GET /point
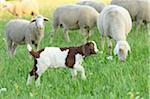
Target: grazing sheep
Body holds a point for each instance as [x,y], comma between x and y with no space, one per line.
[20,31]
[98,6]
[138,9]
[54,57]
[2,2]
[73,17]
[115,22]
[22,7]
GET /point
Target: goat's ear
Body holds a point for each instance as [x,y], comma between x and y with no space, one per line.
[46,19]
[33,20]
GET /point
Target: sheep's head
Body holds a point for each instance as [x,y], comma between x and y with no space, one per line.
[121,49]
[39,21]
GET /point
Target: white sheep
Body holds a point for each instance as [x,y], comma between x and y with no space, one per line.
[138,9]
[97,5]
[73,17]
[20,31]
[115,22]
[22,7]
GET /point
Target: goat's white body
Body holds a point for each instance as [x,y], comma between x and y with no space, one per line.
[53,57]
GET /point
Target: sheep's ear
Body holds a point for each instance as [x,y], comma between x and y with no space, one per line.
[129,49]
[116,50]
[46,19]
[33,20]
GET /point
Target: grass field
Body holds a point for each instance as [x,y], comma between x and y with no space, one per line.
[105,79]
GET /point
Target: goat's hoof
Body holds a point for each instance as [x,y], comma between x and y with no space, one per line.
[101,52]
[83,78]
[74,78]
[110,58]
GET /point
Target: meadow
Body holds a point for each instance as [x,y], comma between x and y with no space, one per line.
[105,79]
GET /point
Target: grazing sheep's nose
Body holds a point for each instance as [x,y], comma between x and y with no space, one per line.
[122,59]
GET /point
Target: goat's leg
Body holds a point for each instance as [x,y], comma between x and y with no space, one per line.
[40,70]
[81,69]
[74,73]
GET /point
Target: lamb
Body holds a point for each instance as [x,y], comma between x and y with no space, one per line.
[20,31]
[22,7]
[73,17]
[114,22]
[138,9]
[54,57]
[98,6]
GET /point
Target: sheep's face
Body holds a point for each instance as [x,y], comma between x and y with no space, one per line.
[122,48]
[39,21]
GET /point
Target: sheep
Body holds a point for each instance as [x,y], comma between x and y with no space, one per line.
[73,17]
[20,31]
[2,2]
[98,6]
[138,9]
[114,22]
[55,57]
[23,7]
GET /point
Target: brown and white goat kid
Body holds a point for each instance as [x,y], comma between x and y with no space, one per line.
[54,57]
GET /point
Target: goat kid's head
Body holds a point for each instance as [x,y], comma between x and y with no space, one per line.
[90,48]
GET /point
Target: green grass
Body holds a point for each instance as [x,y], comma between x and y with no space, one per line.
[105,79]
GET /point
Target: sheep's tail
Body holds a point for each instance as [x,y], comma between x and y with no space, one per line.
[32,52]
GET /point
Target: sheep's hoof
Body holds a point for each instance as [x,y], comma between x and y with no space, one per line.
[51,41]
[110,58]
[74,77]
[68,40]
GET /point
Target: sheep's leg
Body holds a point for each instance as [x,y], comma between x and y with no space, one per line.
[74,73]
[102,38]
[80,69]
[138,24]
[37,45]
[66,36]
[87,37]
[110,47]
[110,57]
[54,29]
[13,48]
[86,34]
[9,46]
